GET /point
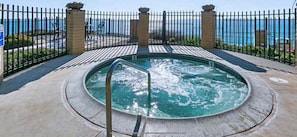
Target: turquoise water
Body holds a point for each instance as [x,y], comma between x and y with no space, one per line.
[180,88]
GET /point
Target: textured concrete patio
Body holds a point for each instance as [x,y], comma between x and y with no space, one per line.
[33,101]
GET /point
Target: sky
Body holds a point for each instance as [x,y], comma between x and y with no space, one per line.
[161,5]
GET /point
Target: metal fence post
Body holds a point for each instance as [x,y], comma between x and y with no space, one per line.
[164,28]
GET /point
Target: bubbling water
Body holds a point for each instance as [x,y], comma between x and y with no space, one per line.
[180,88]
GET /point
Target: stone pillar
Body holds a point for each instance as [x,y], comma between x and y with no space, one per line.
[208,40]
[75,19]
[260,38]
[143,27]
[133,29]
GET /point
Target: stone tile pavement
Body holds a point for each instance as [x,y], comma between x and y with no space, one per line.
[33,104]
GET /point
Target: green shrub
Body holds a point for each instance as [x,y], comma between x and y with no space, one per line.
[16,41]
[156,35]
[259,51]
[191,41]
[219,43]
[171,36]
[289,58]
[270,52]
[27,56]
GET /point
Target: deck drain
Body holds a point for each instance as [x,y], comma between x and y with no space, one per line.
[278,80]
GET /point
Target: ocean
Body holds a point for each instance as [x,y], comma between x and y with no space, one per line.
[237,32]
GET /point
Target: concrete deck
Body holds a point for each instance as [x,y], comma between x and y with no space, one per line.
[33,102]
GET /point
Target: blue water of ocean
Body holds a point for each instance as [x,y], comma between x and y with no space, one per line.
[237,32]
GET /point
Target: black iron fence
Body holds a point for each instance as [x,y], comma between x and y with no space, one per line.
[175,28]
[107,29]
[32,36]
[267,34]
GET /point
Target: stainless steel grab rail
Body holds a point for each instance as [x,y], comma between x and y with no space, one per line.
[113,65]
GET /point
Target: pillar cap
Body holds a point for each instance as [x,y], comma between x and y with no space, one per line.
[143,9]
[74,5]
[208,8]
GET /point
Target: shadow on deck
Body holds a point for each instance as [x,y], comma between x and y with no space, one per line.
[237,61]
[19,80]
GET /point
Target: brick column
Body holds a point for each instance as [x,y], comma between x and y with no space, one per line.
[75,31]
[143,27]
[208,40]
[133,29]
[260,38]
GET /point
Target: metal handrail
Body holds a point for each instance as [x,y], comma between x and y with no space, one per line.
[113,65]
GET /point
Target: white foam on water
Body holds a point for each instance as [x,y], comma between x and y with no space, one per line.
[164,78]
[189,101]
[230,76]
[198,86]
[218,99]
